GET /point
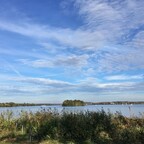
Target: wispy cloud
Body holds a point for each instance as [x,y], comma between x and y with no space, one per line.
[121,25]
[90,85]
[44,81]
[116,24]
[10,67]
[109,40]
[112,16]
[58,61]
[83,39]
[124,60]
[124,77]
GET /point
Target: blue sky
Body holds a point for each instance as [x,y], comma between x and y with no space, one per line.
[52,50]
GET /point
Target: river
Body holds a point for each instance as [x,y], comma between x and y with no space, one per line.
[126,110]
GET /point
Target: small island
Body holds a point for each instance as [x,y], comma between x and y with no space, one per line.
[73,103]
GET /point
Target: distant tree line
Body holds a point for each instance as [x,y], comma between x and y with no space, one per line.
[73,103]
[12,104]
[117,103]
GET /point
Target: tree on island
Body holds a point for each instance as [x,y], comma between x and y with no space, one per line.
[73,103]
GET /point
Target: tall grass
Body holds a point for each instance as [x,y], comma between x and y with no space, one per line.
[80,128]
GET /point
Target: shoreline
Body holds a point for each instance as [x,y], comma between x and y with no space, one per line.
[12,104]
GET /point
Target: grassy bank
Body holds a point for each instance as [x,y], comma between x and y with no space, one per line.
[48,126]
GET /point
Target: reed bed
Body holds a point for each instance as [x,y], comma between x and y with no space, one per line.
[67,127]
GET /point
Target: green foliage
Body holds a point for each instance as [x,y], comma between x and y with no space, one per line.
[82,127]
[73,103]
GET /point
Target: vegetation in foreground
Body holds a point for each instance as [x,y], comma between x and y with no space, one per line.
[51,127]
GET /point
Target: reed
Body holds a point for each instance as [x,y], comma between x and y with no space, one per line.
[81,127]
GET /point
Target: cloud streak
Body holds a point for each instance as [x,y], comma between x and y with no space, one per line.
[124,77]
[89,85]
[59,61]
[83,39]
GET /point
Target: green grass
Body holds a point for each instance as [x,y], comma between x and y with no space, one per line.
[50,127]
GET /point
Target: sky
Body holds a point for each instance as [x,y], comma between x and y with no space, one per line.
[53,50]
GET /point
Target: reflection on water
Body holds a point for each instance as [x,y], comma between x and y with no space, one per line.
[126,110]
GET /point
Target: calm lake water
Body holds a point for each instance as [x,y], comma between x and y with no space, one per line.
[126,110]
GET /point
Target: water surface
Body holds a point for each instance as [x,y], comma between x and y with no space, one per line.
[126,110]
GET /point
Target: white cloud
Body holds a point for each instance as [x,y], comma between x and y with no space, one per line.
[112,15]
[121,61]
[121,25]
[124,77]
[93,83]
[137,42]
[44,87]
[79,38]
[44,81]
